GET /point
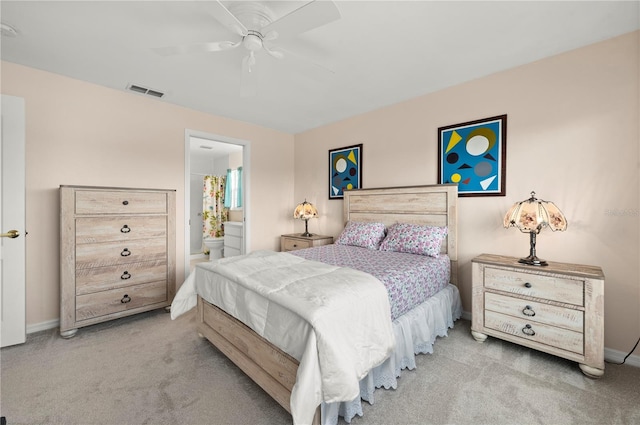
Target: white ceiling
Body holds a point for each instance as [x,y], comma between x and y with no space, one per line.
[381,52]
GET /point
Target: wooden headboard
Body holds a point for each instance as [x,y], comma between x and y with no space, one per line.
[432,205]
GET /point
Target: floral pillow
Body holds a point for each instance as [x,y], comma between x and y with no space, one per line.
[362,234]
[414,239]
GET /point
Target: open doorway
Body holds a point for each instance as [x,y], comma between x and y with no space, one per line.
[212,155]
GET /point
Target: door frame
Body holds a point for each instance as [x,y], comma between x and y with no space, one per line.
[246,189]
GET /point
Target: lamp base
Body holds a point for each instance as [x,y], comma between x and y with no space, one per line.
[306,234]
[532,260]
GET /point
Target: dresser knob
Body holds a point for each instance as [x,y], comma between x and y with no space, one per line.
[125,202]
[125,252]
[527,285]
[528,311]
[126,275]
[125,229]
[125,299]
[528,331]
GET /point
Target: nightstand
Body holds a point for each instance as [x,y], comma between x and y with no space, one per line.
[297,241]
[557,309]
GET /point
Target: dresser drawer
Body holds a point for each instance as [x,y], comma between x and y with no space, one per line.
[118,253]
[232,242]
[535,312]
[553,288]
[95,229]
[233,229]
[539,333]
[293,244]
[120,202]
[231,252]
[117,300]
[104,278]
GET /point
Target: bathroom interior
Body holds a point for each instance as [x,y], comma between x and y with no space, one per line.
[214,165]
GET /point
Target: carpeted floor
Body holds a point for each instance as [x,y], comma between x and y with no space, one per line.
[148,369]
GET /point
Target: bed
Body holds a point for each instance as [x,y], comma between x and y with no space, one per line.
[281,364]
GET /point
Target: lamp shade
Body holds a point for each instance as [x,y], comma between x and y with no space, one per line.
[531,216]
[305,211]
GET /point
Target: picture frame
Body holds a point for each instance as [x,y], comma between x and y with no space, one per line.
[473,155]
[345,170]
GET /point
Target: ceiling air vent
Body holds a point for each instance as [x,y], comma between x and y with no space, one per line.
[144,90]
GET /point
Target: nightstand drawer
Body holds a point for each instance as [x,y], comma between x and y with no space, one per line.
[535,312]
[535,332]
[553,288]
[293,244]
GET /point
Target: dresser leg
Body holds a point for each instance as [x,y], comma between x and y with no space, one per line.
[478,336]
[69,333]
[591,372]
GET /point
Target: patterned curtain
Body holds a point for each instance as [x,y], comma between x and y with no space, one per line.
[213,213]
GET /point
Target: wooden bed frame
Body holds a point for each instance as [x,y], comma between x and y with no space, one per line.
[271,368]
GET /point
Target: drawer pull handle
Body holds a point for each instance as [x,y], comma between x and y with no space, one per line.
[527,285]
[125,229]
[125,299]
[125,252]
[528,311]
[125,202]
[126,275]
[528,331]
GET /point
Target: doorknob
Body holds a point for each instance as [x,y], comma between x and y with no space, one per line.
[10,234]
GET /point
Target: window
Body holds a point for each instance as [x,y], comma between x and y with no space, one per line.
[233,190]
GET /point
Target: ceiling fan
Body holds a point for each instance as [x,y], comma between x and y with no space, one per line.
[255,28]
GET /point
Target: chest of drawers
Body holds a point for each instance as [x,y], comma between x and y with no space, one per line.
[296,241]
[117,253]
[233,238]
[558,309]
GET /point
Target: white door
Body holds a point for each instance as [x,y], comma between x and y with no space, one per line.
[12,221]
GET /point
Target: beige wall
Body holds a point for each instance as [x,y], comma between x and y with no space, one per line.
[83,134]
[572,136]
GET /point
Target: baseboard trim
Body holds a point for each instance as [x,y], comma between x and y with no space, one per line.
[43,326]
[615,356]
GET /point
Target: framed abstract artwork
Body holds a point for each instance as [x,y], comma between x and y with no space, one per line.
[473,155]
[345,170]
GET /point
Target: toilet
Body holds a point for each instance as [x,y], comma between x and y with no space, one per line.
[215,246]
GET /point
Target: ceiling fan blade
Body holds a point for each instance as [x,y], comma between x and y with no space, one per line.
[214,46]
[275,52]
[270,36]
[309,67]
[249,77]
[312,15]
[226,18]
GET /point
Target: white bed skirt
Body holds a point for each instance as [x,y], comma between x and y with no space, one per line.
[415,333]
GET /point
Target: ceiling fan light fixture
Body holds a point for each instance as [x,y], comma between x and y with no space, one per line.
[252,41]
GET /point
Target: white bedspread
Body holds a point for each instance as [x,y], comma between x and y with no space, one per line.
[348,312]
